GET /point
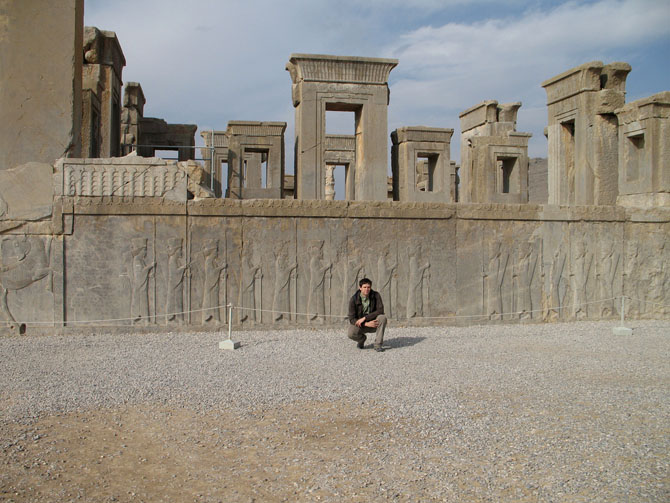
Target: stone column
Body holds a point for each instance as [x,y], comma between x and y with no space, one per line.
[330,183]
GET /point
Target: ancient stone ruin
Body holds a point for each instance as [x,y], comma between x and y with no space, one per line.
[98,231]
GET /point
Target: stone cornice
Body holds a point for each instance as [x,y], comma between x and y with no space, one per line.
[344,69]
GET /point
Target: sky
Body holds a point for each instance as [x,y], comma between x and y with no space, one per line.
[207,62]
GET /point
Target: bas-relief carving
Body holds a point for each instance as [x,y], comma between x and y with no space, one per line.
[350,270]
[120,180]
[139,272]
[385,280]
[557,284]
[419,284]
[284,299]
[251,286]
[176,270]
[632,284]
[647,276]
[494,276]
[212,270]
[523,278]
[655,276]
[582,261]
[25,260]
[606,269]
[319,271]
[4,208]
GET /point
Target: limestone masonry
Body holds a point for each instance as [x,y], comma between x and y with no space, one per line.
[97,230]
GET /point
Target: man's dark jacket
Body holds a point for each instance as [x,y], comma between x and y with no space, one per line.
[356,307]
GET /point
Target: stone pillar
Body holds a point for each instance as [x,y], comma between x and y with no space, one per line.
[40,85]
[582,133]
[214,159]
[133,110]
[330,183]
[422,169]
[644,152]
[494,156]
[103,67]
[340,83]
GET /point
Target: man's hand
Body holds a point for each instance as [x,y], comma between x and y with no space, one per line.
[360,322]
[372,324]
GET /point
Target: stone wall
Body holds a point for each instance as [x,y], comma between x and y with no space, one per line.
[141,260]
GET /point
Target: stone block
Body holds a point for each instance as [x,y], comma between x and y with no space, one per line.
[40,86]
[26,192]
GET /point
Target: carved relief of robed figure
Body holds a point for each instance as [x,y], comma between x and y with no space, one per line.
[210,293]
[284,273]
[139,278]
[174,306]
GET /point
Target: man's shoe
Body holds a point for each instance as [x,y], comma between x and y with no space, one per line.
[361,344]
[379,349]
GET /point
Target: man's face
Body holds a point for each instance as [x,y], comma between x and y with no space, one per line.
[365,289]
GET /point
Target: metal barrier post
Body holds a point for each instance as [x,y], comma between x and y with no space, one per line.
[228,343]
[622,330]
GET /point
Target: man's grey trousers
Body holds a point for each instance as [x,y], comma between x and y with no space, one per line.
[358,333]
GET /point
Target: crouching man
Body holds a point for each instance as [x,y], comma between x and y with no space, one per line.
[366,315]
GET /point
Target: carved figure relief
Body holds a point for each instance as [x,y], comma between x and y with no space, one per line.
[251,286]
[210,292]
[4,208]
[385,273]
[285,279]
[525,270]
[632,280]
[655,276]
[494,276]
[557,285]
[418,274]
[351,271]
[318,269]
[25,260]
[608,262]
[139,278]
[581,269]
[176,269]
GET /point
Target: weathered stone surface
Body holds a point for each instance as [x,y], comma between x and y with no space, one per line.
[297,262]
[422,169]
[131,176]
[145,135]
[538,192]
[101,83]
[494,156]
[644,152]
[582,133]
[360,85]
[197,180]
[144,242]
[40,83]
[26,192]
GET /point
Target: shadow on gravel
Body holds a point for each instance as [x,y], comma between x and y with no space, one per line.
[402,342]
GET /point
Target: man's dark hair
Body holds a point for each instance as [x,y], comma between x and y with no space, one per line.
[365,281]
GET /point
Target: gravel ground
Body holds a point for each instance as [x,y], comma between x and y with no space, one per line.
[551,412]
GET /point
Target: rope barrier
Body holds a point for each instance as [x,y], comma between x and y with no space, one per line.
[648,302]
[342,317]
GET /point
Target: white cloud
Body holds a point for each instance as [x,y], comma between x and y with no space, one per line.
[451,67]
[208,61]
